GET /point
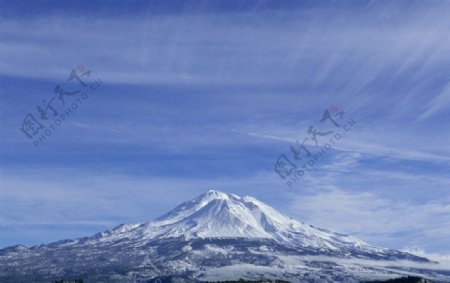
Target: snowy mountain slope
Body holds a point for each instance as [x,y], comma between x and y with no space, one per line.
[219,215]
[206,238]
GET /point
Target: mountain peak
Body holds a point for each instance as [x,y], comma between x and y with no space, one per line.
[215,194]
[212,195]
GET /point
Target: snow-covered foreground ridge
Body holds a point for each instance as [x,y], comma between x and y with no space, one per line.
[216,236]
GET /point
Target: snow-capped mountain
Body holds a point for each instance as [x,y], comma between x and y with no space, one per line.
[219,215]
[216,236]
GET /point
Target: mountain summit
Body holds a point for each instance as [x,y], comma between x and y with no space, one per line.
[216,236]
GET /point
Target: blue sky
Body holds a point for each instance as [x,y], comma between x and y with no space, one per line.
[207,94]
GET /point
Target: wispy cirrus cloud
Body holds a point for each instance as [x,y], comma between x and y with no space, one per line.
[438,103]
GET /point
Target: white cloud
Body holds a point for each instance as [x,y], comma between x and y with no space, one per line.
[443,259]
[374,218]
